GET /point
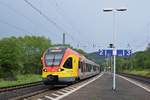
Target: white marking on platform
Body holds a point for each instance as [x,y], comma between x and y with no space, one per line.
[72,87]
[64,90]
[60,92]
[135,83]
[55,94]
[48,97]
[68,89]
[77,88]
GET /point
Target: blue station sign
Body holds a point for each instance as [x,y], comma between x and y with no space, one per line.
[103,52]
[119,52]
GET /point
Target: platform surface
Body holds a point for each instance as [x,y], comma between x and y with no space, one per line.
[101,89]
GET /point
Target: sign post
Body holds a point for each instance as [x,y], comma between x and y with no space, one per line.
[113,52]
[114,72]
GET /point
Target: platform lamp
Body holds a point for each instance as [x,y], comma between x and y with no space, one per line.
[114,10]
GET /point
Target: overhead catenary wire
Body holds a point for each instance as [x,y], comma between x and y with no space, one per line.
[59,10]
[17,12]
[44,16]
[14,26]
[49,19]
[76,30]
[88,43]
[20,14]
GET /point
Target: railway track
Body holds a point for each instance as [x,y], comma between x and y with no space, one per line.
[142,79]
[20,91]
[10,88]
[30,90]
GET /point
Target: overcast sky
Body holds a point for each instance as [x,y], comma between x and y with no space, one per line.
[83,20]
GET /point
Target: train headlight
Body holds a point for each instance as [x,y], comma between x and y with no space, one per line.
[44,70]
[59,69]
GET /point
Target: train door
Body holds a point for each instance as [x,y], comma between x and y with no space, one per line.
[80,70]
[68,66]
[75,65]
[84,70]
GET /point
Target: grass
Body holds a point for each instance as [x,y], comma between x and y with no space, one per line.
[139,72]
[21,79]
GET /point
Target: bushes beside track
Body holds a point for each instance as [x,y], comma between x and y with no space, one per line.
[21,79]
[138,63]
[21,55]
[138,72]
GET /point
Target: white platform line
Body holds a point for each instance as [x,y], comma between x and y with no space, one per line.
[135,83]
[48,97]
[64,90]
[68,89]
[72,88]
[60,92]
[77,88]
[55,94]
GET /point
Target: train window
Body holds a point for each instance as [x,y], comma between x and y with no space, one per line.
[82,67]
[68,63]
[52,59]
[88,67]
[79,64]
[94,68]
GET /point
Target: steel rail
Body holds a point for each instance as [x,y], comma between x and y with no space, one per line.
[142,79]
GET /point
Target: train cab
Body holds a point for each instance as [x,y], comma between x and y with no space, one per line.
[59,65]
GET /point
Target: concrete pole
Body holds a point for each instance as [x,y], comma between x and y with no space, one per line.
[114,69]
[114,51]
[63,39]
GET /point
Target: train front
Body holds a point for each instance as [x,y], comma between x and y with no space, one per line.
[58,66]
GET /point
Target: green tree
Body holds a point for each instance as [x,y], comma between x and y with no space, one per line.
[9,57]
[33,48]
[21,55]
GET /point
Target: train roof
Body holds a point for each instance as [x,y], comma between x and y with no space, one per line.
[82,57]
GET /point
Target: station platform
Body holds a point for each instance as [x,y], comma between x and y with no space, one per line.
[101,89]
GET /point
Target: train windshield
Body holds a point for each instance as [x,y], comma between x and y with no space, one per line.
[53,57]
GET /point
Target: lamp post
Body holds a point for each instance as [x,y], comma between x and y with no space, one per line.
[114,33]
